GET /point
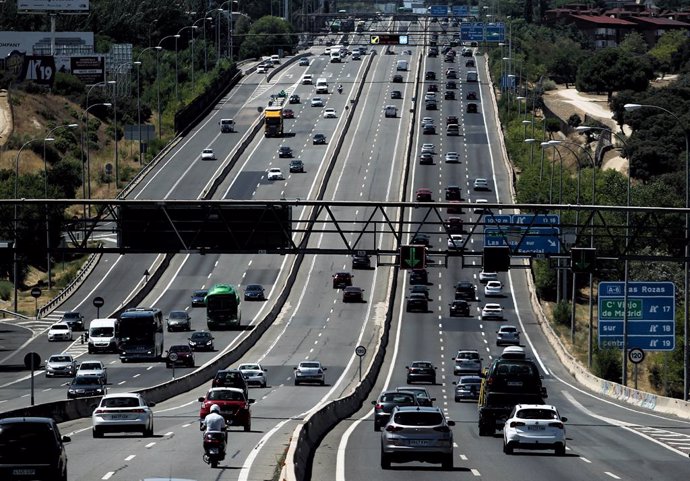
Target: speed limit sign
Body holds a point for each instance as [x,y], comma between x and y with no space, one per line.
[360,351]
[636,355]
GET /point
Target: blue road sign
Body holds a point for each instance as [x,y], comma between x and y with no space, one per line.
[438,10]
[524,240]
[472,32]
[460,10]
[495,32]
[523,219]
[651,315]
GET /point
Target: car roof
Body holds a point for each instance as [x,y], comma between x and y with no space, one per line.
[492,305]
[123,394]
[234,389]
[536,406]
[27,419]
[425,409]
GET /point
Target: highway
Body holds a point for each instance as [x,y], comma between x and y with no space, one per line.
[603,437]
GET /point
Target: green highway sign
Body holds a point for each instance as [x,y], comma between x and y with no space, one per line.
[612,309]
[412,257]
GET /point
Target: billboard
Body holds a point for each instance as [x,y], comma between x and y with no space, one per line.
[38,69]
[89,70]
[53,5]
[39,42]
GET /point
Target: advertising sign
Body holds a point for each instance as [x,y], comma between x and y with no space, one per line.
[89,70]
[53,5]
[39,69]
[35,42]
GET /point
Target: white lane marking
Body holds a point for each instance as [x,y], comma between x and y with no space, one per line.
[108,475]
[611,474]
[130,457]
[475,472]
[150,445]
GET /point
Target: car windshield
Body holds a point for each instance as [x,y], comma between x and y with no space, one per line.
[60,327]
[418,418]
[225,395]
[120,402]
[468,355]
[24,443]
[254,287]
[310,365]
[251,367]
[198,336]
[200,293]
[85,380]
[181,348]
[398,398]
[516,370]
[508,329]
[71,315]
[423,365]
[178,315]
[89,366]
[536,414]
[60,359]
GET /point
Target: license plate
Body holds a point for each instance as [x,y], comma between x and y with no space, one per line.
[515,383]
[24,472]
[213,450]
[536,428]
[119,416]
[419,442]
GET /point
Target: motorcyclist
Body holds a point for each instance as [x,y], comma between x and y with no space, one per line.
[214,421]
[340,88]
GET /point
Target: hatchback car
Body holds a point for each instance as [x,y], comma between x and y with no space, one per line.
[95,369]
[353,294]
[178,321]
[122,412]
[417,302]
[507,335]
[288,114]
[397,79]
[32,448]
[430,75]
[486,276]
[233,403]
[421,371]
[417,434]
[316,102]
[534,426]
[421,393]
[85,386]
[253,374]
[471,108]
[319,139]
[467,361]
[424,195]
[492,311]
[254,292]
[207,154]
[469,63]
[449,95]
[296,166]
[310,371]
[342,280]
[284,151]
[387,400]
[201,341]
[329,113]
[74,320]
[430,105]
[396,94]
[451,85]
[455,242]
[459,308]
[419,277]
[479,207]
[481,184]
[230,378]
[493,289]
[180,355]
[465,290]
[294,99]
[304,62]
[60,332]
[420,239]
[199,298]
[361,261]
[451,73]
[60,365]
[432,88]
[275,174]
[467,387]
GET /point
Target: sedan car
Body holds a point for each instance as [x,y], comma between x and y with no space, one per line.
[316,102]
[485,276]
[452,157]
[253,374]
[471,95]
[467,361]
[361,261]
[342,280]
[430,75]
[507,335]
[481,184]
[388,400]
[420,239]
[288,114]
[180,355]
[254,292]
[304,62]
[310,371]
[329,113]
[275,174]
[493,289]
[467,387]
[201,341]
[453,192]
[296,166]
[451,85]
[284,151]
[319,139]
[417,434]
[60,365]
[459,308]
[471,108]
[469,63]
[432,88]
[396,94]
[428,129]
[397,79]
[353,294]
[122,412]
[74,320]
[94,369]
[424,195]
[85,386]
[419,277]
[479,206]
[233,403]
[199,297]
[417,302]
[455,242]
[426,158]
[60,332]
[423,396]
[294,99]
[421,371]
[492,311]
[207,154]
[178,321]
[534,426]
[449,95]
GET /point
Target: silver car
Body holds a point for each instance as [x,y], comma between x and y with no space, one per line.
[61,365]
[123,412]
[179,321]
[253,374]
[417,433]
[507,335]
[467,387]
[467,362]
[310,371]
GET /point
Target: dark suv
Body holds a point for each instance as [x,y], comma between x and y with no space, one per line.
[342,280]
[465,291]
[231,378]
[32,448]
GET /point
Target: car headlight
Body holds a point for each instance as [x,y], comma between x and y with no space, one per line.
[208,343]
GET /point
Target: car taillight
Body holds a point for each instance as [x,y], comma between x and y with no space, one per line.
[556,425]
[442,429]
[99,411]
[515,424]
[490,380]
[393,429]
[137,411]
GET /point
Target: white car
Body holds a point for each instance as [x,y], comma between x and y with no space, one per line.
[452,157]
[317,102]
[480,209]
[253,374]
[492,311]
[122,412]
[310,371]
[427,120]
[481,184]
[207,154]
[487,276]
[329,113]
[93,368]
[60,365]
[493,289]
[428,149]
[275,174]
[429,96]
[60,332]
[455,242]
[534,426]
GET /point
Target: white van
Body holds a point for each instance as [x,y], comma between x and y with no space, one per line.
[472,76]
[307,79]
[335,56]
[227,125]
[275,59]
[321,86]
[102,336]
[401,65]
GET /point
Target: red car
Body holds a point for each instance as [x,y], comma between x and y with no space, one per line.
[234,406]
[288,114]
[180,355]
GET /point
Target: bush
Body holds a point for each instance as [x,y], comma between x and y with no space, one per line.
[607,364]
[544,279]
[6,289]
[561,313]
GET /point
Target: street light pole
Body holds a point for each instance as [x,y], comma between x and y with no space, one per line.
[686,286]
[138,64]
[85,136]
[159,48]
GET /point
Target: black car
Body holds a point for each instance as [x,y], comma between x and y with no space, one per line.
[34,446]
[459,308]
[231,378]
[421,371]
[396,94]
[254,292]
[319,139]
[429,129]
[432,88]
[353,294]
[198,298]
[397,79]
[296,166]
[361,261]
[426,158]
[201,341]
[178,320]
[419,277]
[417,302]
[284,151]
[433,52]
[471,95]
[471,108]
[453,192]
[420,239]
[449,95]
[465,290]
[420,289]
[430,75]
[451,84]
[74,320]
[449,58]
[342,280]
[294,99]
[388,400]
[85,386]
[469,63]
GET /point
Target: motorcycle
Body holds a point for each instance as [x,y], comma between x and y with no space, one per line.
[214,447]
[340,89]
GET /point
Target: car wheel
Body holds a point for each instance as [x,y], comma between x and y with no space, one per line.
[168,365]
[169,330]
[447,462]
[385,461]
[296,383]
[148,432]
[263,384]
[248,427]
[322,383]
[508,449]
[96,433]
[560,450]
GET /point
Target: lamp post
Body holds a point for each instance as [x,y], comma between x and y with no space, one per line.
[531,143]
[686,283]
[86,130]
[48,138]
[219,10]
[15,259]
[159,48]
[206,46]
[177,36]
[525,123]
[86,173]
[138,64]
